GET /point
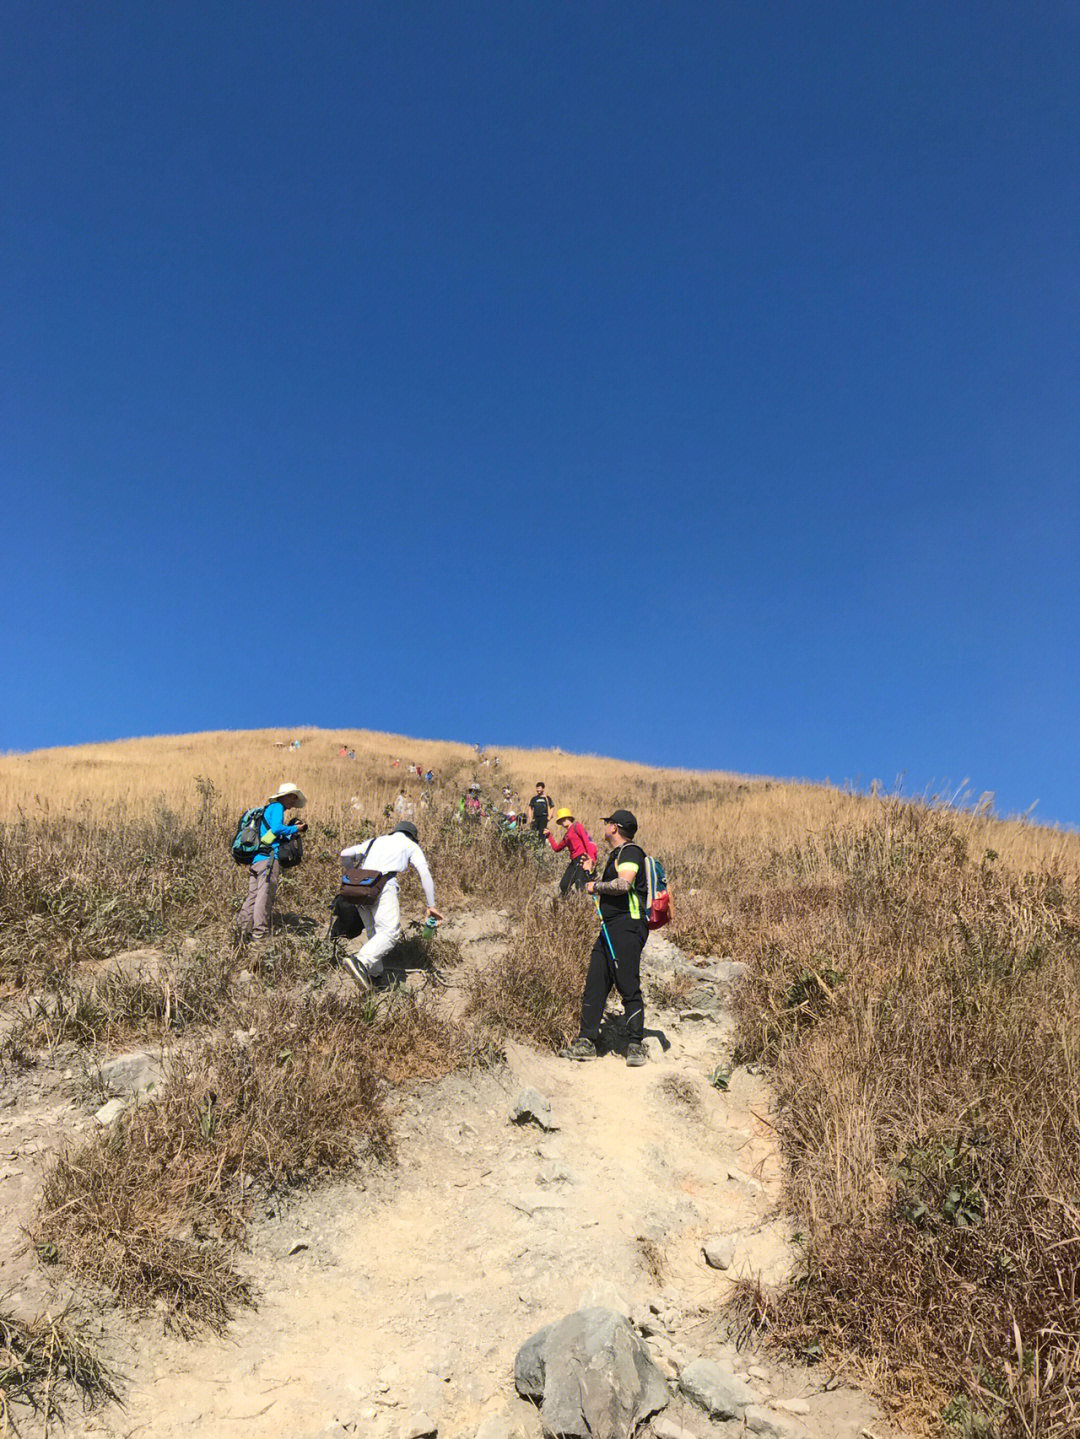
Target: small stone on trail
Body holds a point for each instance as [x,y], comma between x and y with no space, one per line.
[791,1406]
[726,970]
[719,1251]
[665,1428]
[722,1394]
[108,1112]
[747,1180]
[419,1426]
[770,1426]
[297,1248]
[532,1107]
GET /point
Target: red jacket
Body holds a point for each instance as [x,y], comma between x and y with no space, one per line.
[577,837]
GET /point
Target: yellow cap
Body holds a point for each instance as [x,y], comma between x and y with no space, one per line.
[563,814]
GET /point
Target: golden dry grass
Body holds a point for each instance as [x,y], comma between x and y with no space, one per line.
[915,987]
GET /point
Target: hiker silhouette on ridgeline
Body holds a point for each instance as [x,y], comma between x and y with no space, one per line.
[369,884]
[577,839]
[540,807]
[615,961]
[265,871]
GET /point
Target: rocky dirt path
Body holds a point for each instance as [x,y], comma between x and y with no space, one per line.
[396,1306]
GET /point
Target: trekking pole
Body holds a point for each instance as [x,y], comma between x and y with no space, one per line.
[603,930]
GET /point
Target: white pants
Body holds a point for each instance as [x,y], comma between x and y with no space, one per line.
[383,928]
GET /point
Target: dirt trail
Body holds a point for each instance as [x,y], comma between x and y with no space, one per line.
[411,1292]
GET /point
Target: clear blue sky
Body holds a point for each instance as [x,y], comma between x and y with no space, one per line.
[696,383]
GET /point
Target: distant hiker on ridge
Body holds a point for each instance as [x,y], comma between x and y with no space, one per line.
[539,809]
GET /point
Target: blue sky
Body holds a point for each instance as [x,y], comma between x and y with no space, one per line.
[690,382]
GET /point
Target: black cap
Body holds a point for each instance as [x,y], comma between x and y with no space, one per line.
[407,827]
[624,819]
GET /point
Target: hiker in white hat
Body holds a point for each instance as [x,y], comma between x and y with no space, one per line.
[265,871]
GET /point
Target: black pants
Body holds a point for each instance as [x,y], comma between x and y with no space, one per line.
[575,877]
[615,960]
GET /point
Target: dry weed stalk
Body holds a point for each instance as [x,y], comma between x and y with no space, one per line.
[41,1363]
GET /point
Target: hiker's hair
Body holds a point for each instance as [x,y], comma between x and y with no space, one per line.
[540,784]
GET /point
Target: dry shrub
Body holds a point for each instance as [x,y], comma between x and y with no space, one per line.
[671,991]
[41,1363]
[534,993]
[152,1207]
[699,922]
[924,1029]
[482,862]
[83,887]
[116,1005]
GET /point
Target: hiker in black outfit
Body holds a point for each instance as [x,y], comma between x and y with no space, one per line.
[616,955]
[540,808]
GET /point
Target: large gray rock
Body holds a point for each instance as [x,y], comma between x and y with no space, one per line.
[720,1393]
[591,1375]
[133,1073]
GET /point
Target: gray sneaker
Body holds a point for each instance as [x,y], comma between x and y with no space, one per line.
[358,972]
[635,1055]
[580,1049]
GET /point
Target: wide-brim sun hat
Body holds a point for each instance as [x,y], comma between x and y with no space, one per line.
[562,814]
[407,827]
[284,791]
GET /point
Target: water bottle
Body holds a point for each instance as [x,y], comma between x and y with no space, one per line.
[431,924]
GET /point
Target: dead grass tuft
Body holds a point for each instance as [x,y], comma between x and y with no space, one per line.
[153,1207]
[44,1362]
[652,1257]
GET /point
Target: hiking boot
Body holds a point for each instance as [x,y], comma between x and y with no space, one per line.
[358,972]
[635,1055]
[581,1048]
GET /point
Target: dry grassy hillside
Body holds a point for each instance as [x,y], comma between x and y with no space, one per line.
[914,988]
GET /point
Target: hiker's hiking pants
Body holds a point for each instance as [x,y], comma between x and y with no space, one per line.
[576,876]
[617,964]
[382,925]
[263,877]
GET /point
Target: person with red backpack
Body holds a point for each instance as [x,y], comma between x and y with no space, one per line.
[622,901]
[582,851]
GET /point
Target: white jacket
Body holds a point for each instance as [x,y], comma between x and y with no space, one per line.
[391,853]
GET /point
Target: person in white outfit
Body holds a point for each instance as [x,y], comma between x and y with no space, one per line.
[391,854]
